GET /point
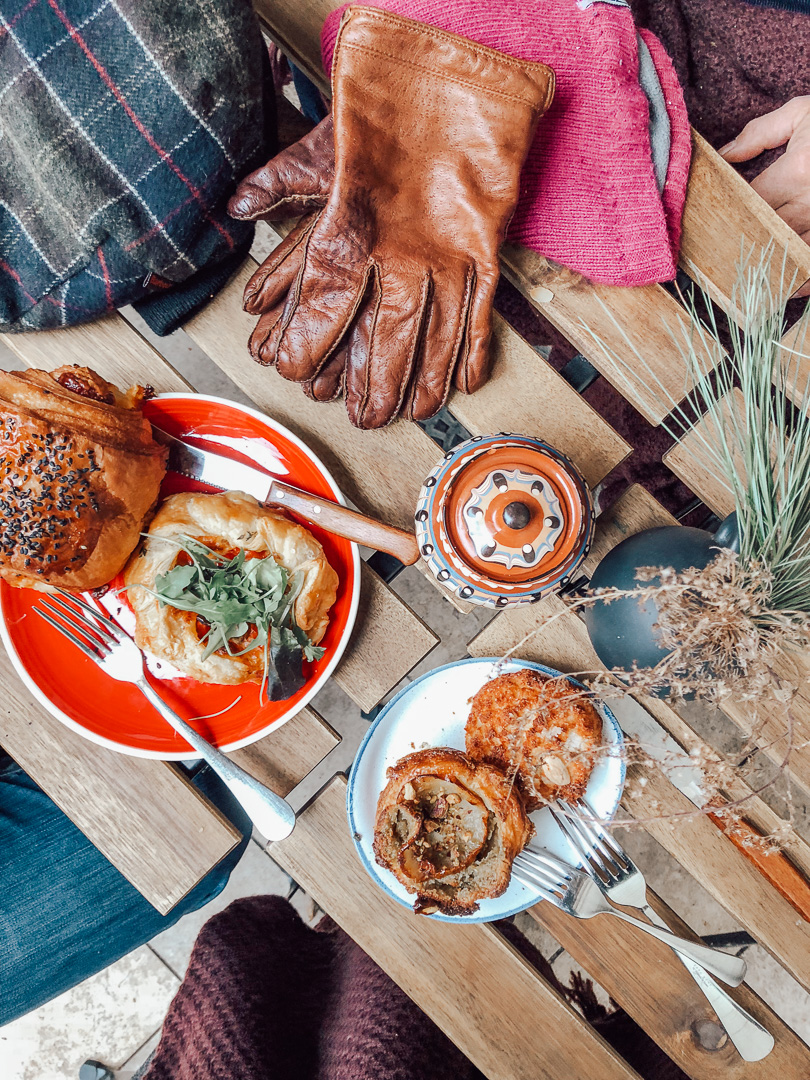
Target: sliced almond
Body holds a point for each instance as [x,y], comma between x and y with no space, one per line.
[408,792]
[554,771]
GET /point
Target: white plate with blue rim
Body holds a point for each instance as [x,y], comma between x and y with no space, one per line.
[433,711]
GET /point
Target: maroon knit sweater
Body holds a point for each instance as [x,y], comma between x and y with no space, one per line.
[267,998]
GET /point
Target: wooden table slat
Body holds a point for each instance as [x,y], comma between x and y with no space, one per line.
[652,985]
[691,460]
[109,345]
[696,842]
[525,394]
[778,730]
[641,319]
[468,979]
[711,250]
[389,639]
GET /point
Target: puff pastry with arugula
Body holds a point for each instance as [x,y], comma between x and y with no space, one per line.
[230,591]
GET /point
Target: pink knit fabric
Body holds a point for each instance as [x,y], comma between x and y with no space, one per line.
[589,199]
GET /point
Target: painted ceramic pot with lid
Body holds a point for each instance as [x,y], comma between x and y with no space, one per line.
[504,519]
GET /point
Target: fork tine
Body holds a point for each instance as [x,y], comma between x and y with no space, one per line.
[77,624]
[76,619]
[550,867]
[600,850]
[580,844]
[529,874]
[594,823]
[105,621]
[77,641]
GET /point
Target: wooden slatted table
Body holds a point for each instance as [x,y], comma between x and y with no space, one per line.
[164,836]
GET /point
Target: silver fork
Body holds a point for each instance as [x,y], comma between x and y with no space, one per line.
[117,654]
[622,882]
[576,893]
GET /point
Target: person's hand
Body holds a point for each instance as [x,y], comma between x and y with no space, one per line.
[785,185]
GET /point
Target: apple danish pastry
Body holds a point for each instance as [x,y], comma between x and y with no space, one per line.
[449,830]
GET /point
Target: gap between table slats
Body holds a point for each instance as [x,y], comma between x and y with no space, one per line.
[468,979]
[776,731]
[695,842]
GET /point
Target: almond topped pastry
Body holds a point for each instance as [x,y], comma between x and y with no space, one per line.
[543,730]
[80,474]
[449,830]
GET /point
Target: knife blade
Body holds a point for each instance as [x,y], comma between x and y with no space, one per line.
[679,768]
[231,475]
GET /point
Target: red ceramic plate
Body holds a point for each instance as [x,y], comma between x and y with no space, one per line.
[116,714]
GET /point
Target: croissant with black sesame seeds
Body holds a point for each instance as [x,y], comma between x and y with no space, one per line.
[80,473]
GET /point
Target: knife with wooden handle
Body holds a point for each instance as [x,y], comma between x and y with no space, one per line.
[231,475]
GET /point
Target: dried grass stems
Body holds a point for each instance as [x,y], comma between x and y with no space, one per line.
[730,625]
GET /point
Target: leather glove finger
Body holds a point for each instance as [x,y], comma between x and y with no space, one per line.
[271,283]
[293,182]
[382,347]
[321,305]
[475,360]
[328,383]
[443,343]
[263,340]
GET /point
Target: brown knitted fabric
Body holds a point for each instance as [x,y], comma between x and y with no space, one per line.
[734,61]
[267,998]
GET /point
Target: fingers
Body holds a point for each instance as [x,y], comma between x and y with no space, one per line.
[767,131]
[271,282]
[295,181]
[476,356]
[781,183]
[321,305]
[382,346]
[443,342]
[328,383]
[264,339]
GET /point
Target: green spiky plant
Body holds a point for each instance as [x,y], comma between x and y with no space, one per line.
[747,412]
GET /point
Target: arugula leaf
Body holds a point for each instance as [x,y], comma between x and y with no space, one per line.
[231,595]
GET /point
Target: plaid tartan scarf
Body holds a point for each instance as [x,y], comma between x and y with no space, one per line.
[124,126]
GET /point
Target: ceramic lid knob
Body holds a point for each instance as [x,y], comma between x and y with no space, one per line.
[503,519]
[516,515]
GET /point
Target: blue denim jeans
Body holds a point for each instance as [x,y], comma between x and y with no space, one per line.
[65,911]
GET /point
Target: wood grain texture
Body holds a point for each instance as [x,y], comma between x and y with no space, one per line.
[388,640]
[693,840]
[379,471]
[283,758]
[690,460]
[525,394]
[780,731]
[647,979]
[468,979]
[632,322]
[144,816]
[109,345]
[796,360]
[721,211]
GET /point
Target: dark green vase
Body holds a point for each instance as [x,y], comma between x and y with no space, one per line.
[623,632]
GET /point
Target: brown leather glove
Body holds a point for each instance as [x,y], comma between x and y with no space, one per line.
[431,131]
[296,181]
